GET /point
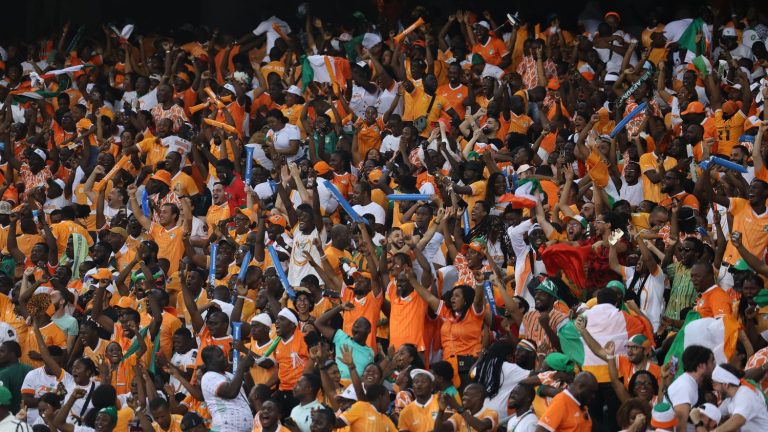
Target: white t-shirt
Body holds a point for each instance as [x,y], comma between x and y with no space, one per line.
[40,383]
[631,193]
[298,267]
[684,390]
[372,208]
[651,294]
[302,414]
[511,375]
[361,99]
[525,423]
[390,143]
[492,71]
[228,414]
[183,362]
[385,99]
[281,140]
[750,405]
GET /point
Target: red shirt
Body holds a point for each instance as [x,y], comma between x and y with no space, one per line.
[235,193]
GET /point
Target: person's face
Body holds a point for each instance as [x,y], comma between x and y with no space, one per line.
[371,375]
[701,278]
[458,302]
[172,162]
[632,174]
[669,183]
[422,386]
[537,238]
[37,254]
[688,253]
[370,114]
[166,216]
[499,186]
[396,238]
[643,387]
[320,423]
[574,229]
[302,388]
[635,352]
[285,327]
[542,301]
[480,32]
[517,397]
[601,226]
[103,423]
[738,156]
[756,193]
[217,325]
[5,355]
[430,83]
[403,358]
[269,414]
[224,173]
[749,289]
[162,416]
[305,221]
[474,258]
[303,303]
[114,353]
[362,285]
[423,217]
[454,74]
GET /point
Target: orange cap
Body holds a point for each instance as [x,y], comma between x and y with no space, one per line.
[375,175]
[694,107]
[102,273]
[127,302]
[278,220]
[84,123]
[162,176]
[250,214]
[322,168]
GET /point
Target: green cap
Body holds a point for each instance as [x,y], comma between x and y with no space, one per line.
[548,287]
[762,298]
[618,285]
[5,396]
[740,265]
[110,411]
[559,362]
[476,59]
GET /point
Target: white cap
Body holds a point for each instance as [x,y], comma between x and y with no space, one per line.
[416,372]
[349,393]
[748,38]
[230,88]
[370,40]
[40,153]
[287,314]
[59,182]
[729,31]
[156,77]
[523,168]
[294,90]
[262,318]
[711,411]
[483,24]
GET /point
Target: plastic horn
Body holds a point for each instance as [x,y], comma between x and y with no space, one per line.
[249,148]
[244,266]
[419,22]
[195,108]
[488,288]
[689,150]
[723,163]
[466,221]
[271,348]
[218,124]
[640,108]
[236,337]
[280,272]
[344,203]
[213,97]
[145,203]
[212,265]
[514,19]
[409,197]
[122,163]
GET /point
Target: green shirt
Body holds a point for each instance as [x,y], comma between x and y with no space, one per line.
[362,355]
[12,377]
[683,294]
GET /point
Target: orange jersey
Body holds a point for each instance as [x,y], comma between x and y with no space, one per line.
[291,357]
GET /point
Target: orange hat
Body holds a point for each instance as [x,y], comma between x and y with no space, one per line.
[162,176]
[375,175]
[278,220]
[477,245]
[322,168]
[106,112]
[250,214]
[102,273]
[694,107]
[364,274]
[84,123]
[553,84]
[127,302]
[752,122]
[616,14]
[183,76]
[730,107]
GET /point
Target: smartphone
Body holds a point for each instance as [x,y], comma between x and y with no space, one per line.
[673,369]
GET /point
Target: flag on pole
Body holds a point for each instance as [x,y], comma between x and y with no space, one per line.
[325,69]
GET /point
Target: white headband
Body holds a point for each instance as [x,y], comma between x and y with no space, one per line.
[287,314]
[416,372]
[723,376]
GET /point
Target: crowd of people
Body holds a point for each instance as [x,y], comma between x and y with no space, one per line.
[427,222]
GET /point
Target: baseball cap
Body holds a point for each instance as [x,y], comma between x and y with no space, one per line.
[707,409]
[616,284]
[364,274]
[694,107]
[162,176]
[294,90]
[477,245]
[102,273]
[579,218]
[483,24]
[84,123]
[278,220]
[322,168]
[523,168]
[127,302]
[548,287]
[740,265]
[416,372]
[729,32]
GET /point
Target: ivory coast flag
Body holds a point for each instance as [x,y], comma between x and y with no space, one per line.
[605,323]
[325,69]
[718,334]
[526,194]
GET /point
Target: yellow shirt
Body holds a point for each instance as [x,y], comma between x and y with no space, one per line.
[175,425]
[651,191]
[419,418]
[363,417]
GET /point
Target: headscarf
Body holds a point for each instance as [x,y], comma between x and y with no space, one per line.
[79,254]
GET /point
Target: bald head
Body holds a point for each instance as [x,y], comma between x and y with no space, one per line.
[340,236]
[584,387]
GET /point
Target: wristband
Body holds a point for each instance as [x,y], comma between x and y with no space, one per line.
[610,357]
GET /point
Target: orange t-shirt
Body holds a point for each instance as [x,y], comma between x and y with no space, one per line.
[369,136]
[565,414]
[752,226]
[291,356]
[206,339]
[492,51]
[52,335]
[406,318]
[170,244]
[460,337]
[714,302]
[627,369]
[454,97]
[368,307]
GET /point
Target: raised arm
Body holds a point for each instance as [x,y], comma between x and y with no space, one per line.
[136,208]
[432,301]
